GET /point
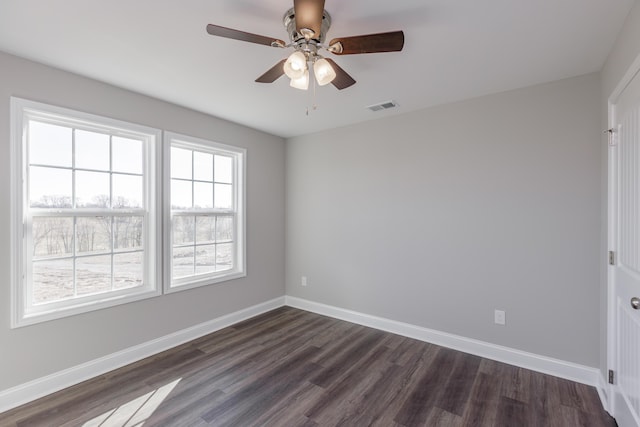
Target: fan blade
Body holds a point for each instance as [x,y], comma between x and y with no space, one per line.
[273,74]
[370,43]
[309,16]
[230,33]
[342,80]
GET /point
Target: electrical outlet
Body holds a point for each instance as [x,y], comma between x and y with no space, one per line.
[499,317]
[303,282]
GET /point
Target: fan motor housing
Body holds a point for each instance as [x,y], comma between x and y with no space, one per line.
[289,21]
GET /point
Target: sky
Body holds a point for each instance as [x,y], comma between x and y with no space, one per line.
[99,165]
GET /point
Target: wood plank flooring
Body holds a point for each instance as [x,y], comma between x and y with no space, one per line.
[289,367]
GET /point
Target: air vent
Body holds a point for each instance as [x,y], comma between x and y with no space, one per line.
[383,106]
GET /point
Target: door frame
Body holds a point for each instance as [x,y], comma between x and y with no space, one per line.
[612,186]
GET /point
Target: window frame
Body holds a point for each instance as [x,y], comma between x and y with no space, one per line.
[239,155]
[21,217]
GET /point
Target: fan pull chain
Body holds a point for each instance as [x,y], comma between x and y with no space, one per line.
[314,106]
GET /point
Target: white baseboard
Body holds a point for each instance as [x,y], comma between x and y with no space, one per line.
[40,387]
[559,368]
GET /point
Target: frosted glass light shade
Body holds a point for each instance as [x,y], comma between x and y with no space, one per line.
[323,71]
[301,83]
[295,65]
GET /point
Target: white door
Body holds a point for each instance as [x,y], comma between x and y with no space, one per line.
[624,240]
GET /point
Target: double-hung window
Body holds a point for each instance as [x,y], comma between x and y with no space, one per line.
[204,233]
[101,215]
[85,212]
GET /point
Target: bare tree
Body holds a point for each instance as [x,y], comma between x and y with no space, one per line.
[40,231]
[86,234]
[54,233]
[101,201]
[52,201]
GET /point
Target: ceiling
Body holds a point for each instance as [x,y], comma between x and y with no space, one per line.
[454,50]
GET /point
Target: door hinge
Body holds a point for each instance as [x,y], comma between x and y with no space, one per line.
[610,376]
[612,258]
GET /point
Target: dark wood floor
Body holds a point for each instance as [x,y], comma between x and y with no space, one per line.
[293,368]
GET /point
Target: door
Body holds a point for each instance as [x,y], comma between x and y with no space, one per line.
[624,240]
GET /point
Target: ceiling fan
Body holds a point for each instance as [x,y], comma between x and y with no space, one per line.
[307,24]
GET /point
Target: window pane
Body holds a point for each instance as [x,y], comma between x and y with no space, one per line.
[49,144]
[92,189]
[126,155]
[202,166]
[127,232]
[180,194]
[49,187]
[183,229]
[52,280]
[205,259]
[224,196]
[224,229]
[127,191]
[202,195]
[205,229]
[224,256]
[127,270]
[52,236]
[93,274]
[224,169]
[183,262]
[92,150]
[181,163]
[93,234]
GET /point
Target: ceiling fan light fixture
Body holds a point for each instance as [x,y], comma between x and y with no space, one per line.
[302,82]
[324,72]
[307,24]
[296,65]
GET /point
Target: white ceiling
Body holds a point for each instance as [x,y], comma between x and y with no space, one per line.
[454,49]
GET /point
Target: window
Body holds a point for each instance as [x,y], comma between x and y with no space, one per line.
[87,215]
[205,231]
[84,215]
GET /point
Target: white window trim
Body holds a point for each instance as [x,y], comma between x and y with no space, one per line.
[21,316]
[240,194]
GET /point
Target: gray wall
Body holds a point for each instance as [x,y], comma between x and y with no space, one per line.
[440,216]
[624,52]
[34,351]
